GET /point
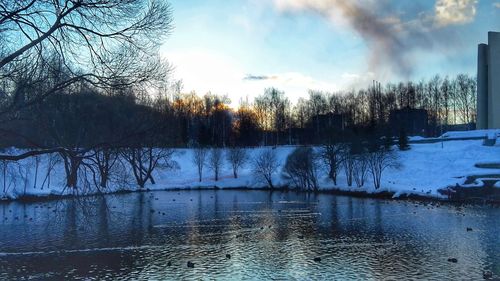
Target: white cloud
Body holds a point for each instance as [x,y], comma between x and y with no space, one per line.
[294,84]
[496,5]
[203,71]
[454,12]
[356,81]
[300,82]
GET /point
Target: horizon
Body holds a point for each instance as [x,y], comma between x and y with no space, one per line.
[330,46]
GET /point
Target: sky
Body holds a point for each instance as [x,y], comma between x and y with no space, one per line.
[239,48]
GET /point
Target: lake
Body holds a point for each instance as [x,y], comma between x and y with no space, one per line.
[249,235]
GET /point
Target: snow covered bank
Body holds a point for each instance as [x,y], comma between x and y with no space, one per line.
[424,169]
[472,134]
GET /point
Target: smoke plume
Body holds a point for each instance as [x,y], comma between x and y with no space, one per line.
[392,40]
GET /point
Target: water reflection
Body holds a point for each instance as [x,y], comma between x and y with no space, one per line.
[268,235]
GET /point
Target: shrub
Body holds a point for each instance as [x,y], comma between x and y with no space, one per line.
[301,168]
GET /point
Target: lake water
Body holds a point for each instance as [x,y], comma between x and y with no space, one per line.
[267,235]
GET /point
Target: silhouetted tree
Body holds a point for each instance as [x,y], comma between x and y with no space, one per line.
[144,160]
[301,168]
[265,165]
[378,162]
[360,170]
[49,47]
[246,128]
[331,153]
[199,159]
[215,161]
[237,157]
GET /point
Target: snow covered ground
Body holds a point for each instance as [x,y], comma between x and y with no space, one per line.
[471,134]
[424,169]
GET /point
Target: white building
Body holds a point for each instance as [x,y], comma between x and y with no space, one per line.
[488,83]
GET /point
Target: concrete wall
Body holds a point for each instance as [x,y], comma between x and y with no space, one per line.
[482,87]
[494,80]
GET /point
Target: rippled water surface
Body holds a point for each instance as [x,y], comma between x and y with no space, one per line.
[267,235]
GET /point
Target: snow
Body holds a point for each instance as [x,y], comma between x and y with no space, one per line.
[416,138]
[490,134]
[424,169]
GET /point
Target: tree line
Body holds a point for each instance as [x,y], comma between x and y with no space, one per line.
[271,119]
[84,115]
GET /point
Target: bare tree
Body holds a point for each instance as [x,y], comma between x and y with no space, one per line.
[199,159]
[348,164]
[360,170]
[36,164]
[6,170]
[302,168]
[144,160]
[466,97]
[104,159]
[331,154]
[48,47]
[271,108]
[378,162]
[72,160]
[52,160]
[317,104]
[265,164]
[446,91]
[237,157]
[12,175]
[215,162]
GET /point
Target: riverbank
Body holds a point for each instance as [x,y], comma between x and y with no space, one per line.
[427,170]
[464,195]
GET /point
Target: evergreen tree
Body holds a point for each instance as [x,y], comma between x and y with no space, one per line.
[388,141]
[403,140]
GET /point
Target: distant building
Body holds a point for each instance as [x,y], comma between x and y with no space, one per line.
[413,121]
[488,83]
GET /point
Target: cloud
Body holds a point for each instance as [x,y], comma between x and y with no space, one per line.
[391,40]
[453,12]
[355,80]
[203,71]
[294,82]
[258,77]
[496,5]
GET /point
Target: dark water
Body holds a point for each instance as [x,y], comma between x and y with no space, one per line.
[134,236]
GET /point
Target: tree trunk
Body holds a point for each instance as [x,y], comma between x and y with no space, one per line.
[72,166]
[104,179]
[270,183]
[151,179]
[333,175]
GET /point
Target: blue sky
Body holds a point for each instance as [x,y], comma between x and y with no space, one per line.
[241,47]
